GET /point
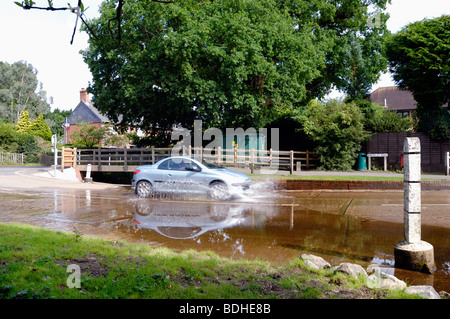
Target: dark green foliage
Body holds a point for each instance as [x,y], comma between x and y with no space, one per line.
[20,90]
[419,60]
[19,142]
[56,120]
[338,130]
[39,128]
[229,63]
[378,120]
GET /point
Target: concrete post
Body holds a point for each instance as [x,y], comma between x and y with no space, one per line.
[412,190]
[413,253]
[88,178]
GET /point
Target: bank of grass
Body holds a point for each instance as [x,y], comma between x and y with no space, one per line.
[34,264]
[336,177]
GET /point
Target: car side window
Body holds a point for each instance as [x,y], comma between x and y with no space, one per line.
[179,165]
[187,165]
[164,165]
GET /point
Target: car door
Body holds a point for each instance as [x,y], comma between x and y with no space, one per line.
[170,173]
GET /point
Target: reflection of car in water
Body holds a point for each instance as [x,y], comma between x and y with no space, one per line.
[184,174]
[184,220]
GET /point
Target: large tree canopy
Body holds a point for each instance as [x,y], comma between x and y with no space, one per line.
[20,90]
[420,62]
[230,63]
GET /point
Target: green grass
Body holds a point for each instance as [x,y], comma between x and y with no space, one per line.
[34,265]
[336,177]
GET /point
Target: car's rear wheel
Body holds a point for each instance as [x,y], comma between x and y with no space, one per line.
[219,191]
[144,189]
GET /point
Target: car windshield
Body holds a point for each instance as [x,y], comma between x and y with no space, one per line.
[210,164]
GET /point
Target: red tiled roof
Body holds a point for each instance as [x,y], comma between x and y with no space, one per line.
[393,98]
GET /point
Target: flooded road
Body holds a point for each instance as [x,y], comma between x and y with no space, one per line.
[356,226]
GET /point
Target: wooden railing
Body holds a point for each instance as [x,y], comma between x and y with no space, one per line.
[16,158]
[128,159]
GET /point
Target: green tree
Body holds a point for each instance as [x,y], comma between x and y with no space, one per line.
[420,62]
[378,119]
[230,63]
[355,33]
[24,123]
[41,129]
[56,119]
[19,142]
[337,129]
[88,136]
[20,90]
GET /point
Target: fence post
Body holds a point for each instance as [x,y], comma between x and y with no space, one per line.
[99,156]
[74,158]
[153,155]
[62,159]
[252,161]
[125,159]
[447,160]
[307,159]
[291,160]
[219,155]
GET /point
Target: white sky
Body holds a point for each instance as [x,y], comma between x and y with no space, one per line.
[42,39]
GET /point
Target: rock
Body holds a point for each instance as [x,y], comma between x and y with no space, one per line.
[315,262]
[381,279]
[424,291]
[351,270]
[385,281]
[444,294]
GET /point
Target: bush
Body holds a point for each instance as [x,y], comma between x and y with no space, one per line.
[28,145]
[380,120]
[337,129]
[19,142]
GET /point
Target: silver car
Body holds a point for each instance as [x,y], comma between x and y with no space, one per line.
[184,174]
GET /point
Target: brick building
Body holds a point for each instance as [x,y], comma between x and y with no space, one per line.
[84,112]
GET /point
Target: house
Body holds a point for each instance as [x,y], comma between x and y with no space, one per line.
[395,99]
[84,112]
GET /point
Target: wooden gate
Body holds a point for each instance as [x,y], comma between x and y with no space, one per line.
[68,158]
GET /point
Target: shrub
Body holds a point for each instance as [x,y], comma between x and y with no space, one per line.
[337,129]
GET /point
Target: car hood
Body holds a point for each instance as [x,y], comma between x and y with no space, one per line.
[231,173]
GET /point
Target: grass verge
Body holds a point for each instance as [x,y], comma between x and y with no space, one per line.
[34,264]
[336,177]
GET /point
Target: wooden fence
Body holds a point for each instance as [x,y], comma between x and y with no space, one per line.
[128,159]
[432,152]
[16,158]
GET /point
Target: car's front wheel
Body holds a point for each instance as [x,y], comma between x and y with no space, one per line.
[219,191]
[144,189]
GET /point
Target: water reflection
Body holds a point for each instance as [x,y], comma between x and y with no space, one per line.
[187,220]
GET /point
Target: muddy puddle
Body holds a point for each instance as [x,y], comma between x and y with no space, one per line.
[358,226]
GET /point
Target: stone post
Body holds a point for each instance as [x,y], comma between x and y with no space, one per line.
[88,178]
[413,253]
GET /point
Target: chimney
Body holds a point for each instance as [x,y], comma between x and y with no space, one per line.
[84,95]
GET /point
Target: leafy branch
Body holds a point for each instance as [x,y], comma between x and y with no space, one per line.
[79,11]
